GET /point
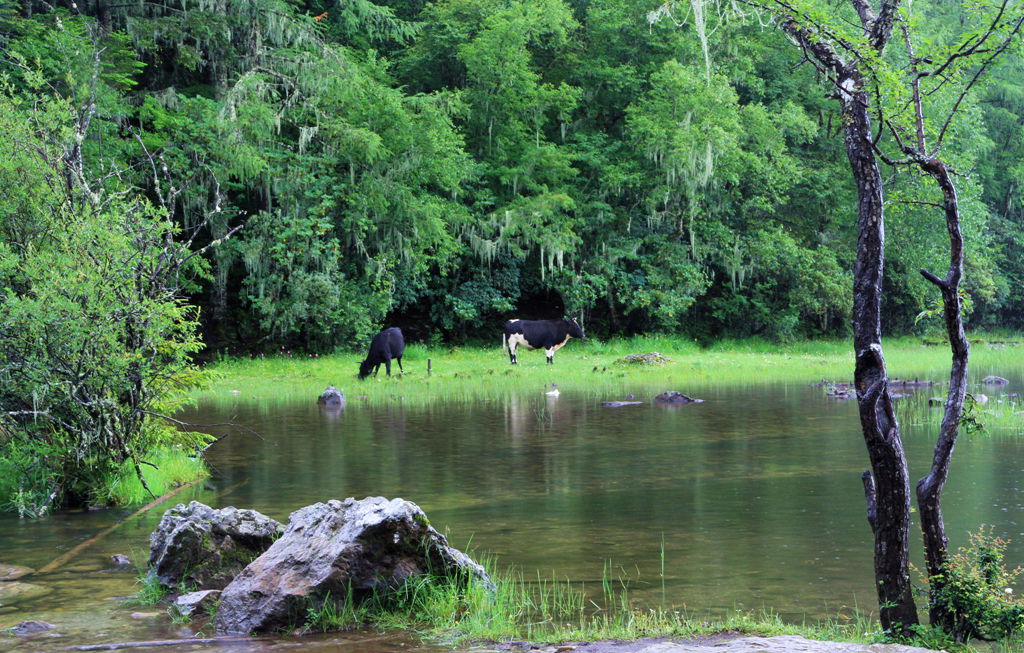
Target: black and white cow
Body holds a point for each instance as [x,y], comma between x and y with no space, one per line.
[386,345]
[548,335]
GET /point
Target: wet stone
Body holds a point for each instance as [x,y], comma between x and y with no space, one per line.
[188,605]
[32,626]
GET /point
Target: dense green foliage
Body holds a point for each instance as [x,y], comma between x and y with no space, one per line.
[977,589]
[444,165]
[95,339]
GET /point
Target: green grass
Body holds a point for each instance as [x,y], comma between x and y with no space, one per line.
[550,611]
[585,366]
[171,468]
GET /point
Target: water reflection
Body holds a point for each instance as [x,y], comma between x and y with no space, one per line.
[751,499]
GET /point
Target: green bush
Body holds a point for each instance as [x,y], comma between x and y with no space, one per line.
[976,589]
[95,339]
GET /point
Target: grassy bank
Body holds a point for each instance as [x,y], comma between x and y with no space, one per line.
[541,611]
[583,367]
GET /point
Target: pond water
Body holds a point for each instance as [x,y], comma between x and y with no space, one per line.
[749,500]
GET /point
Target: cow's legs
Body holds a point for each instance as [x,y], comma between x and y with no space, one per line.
[551,355]
[399,359]
[387,365]
[512,350]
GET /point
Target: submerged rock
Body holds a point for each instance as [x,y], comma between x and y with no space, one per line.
[31,626]
[331,397]
[673,397]
[370,545]
[200,546]
[620,404]
[915,383]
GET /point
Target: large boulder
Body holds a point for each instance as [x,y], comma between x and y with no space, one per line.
[370,545]
[196,545]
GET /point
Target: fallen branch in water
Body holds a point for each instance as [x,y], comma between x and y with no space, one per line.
[78,549]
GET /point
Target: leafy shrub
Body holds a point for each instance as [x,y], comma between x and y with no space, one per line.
[976,590]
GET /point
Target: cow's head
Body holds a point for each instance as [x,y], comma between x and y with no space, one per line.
[365,367]
[575,330]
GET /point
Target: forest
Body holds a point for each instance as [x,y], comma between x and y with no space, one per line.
[316,170]
[185,180]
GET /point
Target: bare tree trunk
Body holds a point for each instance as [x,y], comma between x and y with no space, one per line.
[929,488]
[887,487]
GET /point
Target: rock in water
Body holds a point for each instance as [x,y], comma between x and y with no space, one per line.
[200,546]
[673,397]
[369,545]
[188,605]
[29,627]
[995,380]
[331,397]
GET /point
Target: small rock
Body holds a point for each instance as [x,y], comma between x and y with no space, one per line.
[980,399]
[331,397]
[31,626]
[653,358]
[121,560]
[144,615]
[189,604]
[673,397]
[620,404]
[995,380]
[840,394]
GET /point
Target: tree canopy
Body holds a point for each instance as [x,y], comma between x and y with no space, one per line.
[444,165]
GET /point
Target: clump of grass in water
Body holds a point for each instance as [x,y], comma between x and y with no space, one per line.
[151,591]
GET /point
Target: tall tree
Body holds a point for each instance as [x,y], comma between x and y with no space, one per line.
[891,91]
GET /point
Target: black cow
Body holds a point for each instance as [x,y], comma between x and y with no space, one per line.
[548,335]
[386,345]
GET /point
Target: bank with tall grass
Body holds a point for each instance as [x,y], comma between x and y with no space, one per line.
[588,366]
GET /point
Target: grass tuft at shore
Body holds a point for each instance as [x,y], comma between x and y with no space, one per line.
[167,468]
[542,611]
